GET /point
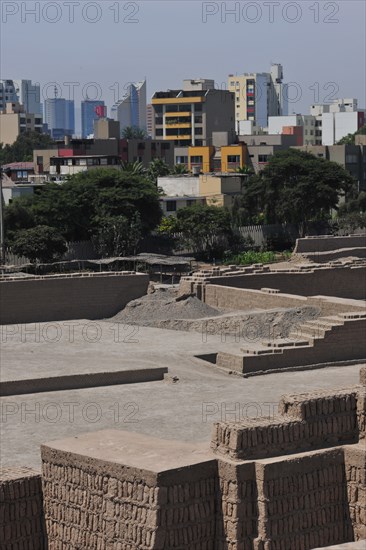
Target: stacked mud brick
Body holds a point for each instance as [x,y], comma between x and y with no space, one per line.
[344,279]
[294,482]
[21,510]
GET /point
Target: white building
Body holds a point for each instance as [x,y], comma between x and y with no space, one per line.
[307,122]
[336,106]
[336,126]
[131,109]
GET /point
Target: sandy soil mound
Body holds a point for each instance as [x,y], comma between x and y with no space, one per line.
[162,305]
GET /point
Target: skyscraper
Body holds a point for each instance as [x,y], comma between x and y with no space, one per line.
[91,110]
[60,117]
[21,91]
[131,109]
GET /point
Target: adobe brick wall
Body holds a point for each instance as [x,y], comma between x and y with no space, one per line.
[62,297]
[21,510]
[324,243]
[355,466]
[126,498]
[344,282]
[241,298]
[343,343]
[303,501]
[305,422]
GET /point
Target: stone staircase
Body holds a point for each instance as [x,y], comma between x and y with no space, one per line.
[329,339]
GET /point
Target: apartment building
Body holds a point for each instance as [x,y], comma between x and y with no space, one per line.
[15,121]
[258,96]
[189,116]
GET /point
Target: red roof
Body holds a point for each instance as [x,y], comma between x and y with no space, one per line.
[19,166]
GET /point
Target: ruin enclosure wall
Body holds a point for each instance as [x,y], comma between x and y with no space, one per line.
[324,243]
[100,504]
[344,282]
[303,501]
[65,297]
[220,296]
[21,510]
[355,467]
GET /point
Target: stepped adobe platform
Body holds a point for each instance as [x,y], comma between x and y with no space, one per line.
[337,288]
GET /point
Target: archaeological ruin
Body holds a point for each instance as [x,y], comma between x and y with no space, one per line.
[226,413]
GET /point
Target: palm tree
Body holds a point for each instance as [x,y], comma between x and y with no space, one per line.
[246,170]
[133,132]
[158,167]
[180,169]
[134,168]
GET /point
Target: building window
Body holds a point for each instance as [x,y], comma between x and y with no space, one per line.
[351,159]
[196,160]
[263,158]
[191,202]
[233,158]
[171,206]
[158,132]
[181,160]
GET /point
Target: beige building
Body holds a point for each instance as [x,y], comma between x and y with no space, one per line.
[14,121]
[211,189]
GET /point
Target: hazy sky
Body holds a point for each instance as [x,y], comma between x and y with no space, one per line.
[321,45]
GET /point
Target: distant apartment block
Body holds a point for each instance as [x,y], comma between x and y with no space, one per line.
[311,131]
[24,92]
[337,119]
[259,96]
[60,117]
[79,155]
[91,110]
[131,109]
[15,121]
[191,115]
[335,126]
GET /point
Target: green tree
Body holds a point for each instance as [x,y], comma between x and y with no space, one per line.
[157,168]
[22,148]
[118,235]
[41,243]
[133,132]
[204,229]
[297,187]
[349,139]
[77,207]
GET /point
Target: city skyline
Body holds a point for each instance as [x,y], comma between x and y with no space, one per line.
[165,58]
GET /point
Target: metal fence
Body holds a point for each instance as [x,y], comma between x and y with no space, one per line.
[82,250]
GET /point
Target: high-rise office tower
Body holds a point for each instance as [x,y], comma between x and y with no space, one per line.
[91,110]
[24,92]
[131,109]
[60,117]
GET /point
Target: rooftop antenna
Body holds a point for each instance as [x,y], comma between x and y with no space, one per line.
[56,92]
